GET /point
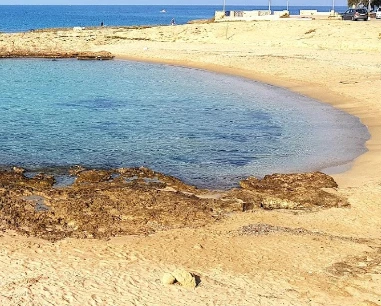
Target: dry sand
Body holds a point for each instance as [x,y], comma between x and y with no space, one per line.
[334,260]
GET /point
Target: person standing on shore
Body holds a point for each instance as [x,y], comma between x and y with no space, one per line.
[173,22]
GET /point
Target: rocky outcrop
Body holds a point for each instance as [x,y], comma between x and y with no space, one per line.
[103,55]
[304,191]
[16,179]
[87,55]
[105,203]
[312,180]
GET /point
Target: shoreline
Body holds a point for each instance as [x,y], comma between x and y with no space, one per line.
[333,169]
[224,48]
[58,171]
[329,254]
[351,168]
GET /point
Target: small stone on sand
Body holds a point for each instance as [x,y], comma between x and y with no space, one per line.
[168,279]
[185,279]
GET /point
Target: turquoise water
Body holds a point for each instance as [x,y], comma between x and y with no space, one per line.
[205,128]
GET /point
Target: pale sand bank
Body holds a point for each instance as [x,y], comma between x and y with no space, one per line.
[337,263]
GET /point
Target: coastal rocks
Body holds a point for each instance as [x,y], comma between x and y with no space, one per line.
[136,201]
[86,55]
[93,176]
[18,170]
[312,180]
[102,55]
[278,203]
[16,177]
[102,204]
[180,276]
[303,191]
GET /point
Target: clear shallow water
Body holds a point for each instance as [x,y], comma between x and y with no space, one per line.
[19,18]
[205,128]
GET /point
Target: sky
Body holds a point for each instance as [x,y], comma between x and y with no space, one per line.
[177,2]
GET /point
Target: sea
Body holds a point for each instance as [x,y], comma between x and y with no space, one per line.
[208,129]
[17,18]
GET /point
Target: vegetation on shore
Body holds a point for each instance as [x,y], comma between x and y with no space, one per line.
[364,2]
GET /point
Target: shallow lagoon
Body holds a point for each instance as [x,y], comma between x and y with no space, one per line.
[205,128]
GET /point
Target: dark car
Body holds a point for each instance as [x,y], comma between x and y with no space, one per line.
[355,14]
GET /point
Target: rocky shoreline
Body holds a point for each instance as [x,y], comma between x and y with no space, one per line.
[106,203]
[87,55]
[131,201]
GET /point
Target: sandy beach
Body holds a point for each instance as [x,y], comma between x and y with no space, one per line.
[329,256]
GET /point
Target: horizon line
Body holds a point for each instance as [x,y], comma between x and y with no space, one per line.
[160,5]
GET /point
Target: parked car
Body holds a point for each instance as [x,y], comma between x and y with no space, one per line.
[378,13]
[355,14]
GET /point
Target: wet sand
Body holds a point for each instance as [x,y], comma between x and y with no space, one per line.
[284,257]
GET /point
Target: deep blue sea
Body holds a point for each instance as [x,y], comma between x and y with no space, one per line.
[208,129]
[16,18]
